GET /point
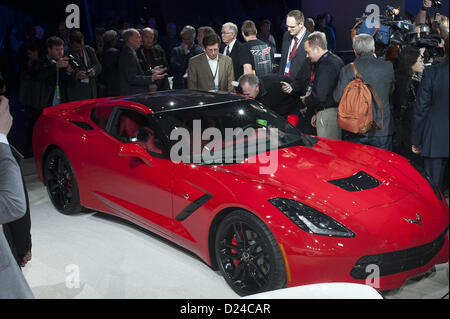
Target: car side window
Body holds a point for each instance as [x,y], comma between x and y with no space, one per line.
[133,127]
[100,115]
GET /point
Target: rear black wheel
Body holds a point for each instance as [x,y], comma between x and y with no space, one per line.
[248,255]
[61,183]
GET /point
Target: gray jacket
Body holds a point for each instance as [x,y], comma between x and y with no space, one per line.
[12,207]
[379,74]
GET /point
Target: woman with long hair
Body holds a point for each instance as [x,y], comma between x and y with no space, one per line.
[408,72]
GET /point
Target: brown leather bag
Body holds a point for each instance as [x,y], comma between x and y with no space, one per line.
[355,108]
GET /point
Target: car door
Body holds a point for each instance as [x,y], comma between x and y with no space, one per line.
[132,186]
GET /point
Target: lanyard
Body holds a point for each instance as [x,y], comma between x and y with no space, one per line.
[296,47]
[313,74]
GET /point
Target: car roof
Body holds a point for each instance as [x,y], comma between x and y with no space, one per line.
[166,101]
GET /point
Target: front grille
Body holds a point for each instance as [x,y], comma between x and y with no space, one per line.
[399,261]
[357,182]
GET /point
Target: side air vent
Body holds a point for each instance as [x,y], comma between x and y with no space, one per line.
[358,182]
[85,126]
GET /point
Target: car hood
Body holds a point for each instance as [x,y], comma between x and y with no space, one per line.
[304,173]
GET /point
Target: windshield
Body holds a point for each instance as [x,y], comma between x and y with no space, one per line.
[226,133]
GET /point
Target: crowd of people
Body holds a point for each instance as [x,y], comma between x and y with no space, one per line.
[306,86]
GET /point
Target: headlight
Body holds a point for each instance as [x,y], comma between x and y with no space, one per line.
[428,178]
[310,219]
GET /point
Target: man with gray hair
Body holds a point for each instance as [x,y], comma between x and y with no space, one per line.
[180,56]
[231,46]
[380,75]
[250,86]
[133,79]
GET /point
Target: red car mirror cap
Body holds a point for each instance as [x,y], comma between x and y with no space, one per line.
[134,150]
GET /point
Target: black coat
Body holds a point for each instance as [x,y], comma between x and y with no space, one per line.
[327,71]
[179,62]
[430,122]
[108,77]
[234,55]
[158,57]
[133,80]
[41,85]
[299,56]
[79,90]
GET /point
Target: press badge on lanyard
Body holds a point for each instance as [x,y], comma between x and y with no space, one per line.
[288,67]
[58,92]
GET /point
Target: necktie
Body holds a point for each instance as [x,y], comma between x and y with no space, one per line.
[227,51]
[294,48]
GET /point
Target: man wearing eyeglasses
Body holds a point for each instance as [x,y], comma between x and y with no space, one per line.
[293,54]
[231,46]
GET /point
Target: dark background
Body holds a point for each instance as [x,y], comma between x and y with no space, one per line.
[113,13]
[18,15]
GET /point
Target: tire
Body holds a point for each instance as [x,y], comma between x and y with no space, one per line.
[62,186]
[248,255]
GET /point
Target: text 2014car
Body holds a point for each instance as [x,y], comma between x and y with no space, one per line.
[328,211]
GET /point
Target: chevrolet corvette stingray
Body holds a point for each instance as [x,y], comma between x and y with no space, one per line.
[330,211]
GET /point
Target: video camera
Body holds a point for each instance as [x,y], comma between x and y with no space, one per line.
[392,31]
[436,4]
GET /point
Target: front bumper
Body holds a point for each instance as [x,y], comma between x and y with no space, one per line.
[337,260]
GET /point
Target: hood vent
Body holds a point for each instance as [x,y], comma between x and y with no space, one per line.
[358,182]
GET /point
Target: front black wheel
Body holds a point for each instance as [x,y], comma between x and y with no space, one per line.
[248,255]
[61,183]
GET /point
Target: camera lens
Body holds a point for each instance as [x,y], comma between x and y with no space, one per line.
[436,4]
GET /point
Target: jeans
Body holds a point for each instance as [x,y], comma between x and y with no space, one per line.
[384,142]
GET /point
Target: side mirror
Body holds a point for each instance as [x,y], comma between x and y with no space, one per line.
[136,151]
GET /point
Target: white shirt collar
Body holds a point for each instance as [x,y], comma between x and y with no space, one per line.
[231,45]
[3,138]
[301,35]
[211,60]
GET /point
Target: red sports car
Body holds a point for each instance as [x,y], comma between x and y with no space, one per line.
[294,210]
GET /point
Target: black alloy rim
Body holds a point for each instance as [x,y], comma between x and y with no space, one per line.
[244,258]
[59,182]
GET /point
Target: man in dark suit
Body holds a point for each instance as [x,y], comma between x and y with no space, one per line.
[180,57]
[293,54]
[151,56]
[231,46]
[84,77]
[380,75]
[430,123]
[133,79]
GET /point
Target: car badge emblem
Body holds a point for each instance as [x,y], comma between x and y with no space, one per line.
[417,221]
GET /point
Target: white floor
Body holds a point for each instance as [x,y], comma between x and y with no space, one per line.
[97,256]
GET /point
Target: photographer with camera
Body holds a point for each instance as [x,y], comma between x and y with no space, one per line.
[83,60]
[436,24]
[422,17]
[48,77]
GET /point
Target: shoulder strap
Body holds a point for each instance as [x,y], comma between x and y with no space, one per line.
[372,90]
